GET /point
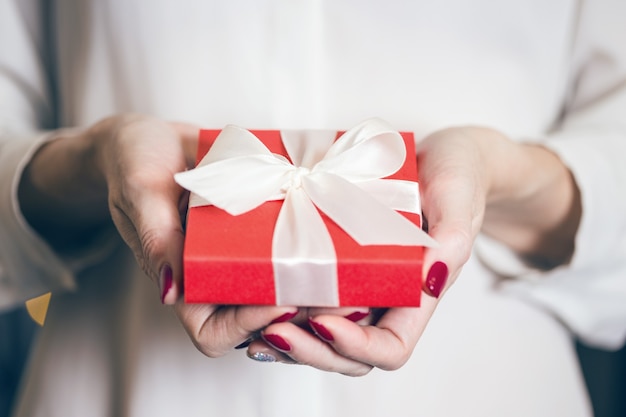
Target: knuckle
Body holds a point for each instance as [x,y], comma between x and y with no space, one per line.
[463,244]
[152,244]
[206,349]
[144,179]
[395,364]
[129,235]
[198,328]
[396,361]
[397,358]
[458,239]
[211,353]
[360,371]
[242,322]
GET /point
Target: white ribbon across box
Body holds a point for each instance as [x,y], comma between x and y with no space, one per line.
[345,178]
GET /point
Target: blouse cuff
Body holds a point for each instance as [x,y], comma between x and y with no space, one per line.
[29,267]
[587,293]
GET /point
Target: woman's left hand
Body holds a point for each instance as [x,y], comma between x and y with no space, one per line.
[471,179]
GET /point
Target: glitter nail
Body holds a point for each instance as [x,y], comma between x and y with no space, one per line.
[262,357]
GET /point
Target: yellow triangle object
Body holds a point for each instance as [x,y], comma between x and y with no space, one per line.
[38,308]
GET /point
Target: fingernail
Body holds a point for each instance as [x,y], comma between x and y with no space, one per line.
[284,317]
[321,331]
[165,281]
[277,342]
[245,343]
[357,315]
[262,357]
[436,279]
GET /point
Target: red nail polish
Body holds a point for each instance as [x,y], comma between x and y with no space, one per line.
[277,342]
[436,279]
[424,223]
[321,331]
[357,315]
[165,281]
[284,317]
[244,344]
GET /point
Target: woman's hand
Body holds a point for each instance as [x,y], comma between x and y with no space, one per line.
[471,179]
[122,169]
[137,157]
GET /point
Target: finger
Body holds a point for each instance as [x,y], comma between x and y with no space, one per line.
[188,134]
[288,343]
[362,315]
[442,265]
[139,156]
[453,202]
[387,345]
[216,330]
[345,347]
[151,225]
[261,351]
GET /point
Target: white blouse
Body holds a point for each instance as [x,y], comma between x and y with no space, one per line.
[551,72]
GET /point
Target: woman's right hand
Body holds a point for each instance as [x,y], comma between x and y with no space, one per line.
[122,168]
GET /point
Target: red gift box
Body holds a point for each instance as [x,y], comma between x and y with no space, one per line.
[228,259]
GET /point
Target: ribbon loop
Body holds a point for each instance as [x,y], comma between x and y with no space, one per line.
[368,151]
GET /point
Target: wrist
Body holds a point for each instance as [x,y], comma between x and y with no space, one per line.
[533,205]
[60,192]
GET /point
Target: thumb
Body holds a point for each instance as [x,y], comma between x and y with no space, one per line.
[453,209]
[161,234]
[152,227]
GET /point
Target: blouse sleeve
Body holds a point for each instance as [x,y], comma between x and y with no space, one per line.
[589,293]
[28,266]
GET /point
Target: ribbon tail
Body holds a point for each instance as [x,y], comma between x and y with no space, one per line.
[303,255]
[373,223]
[400,195]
